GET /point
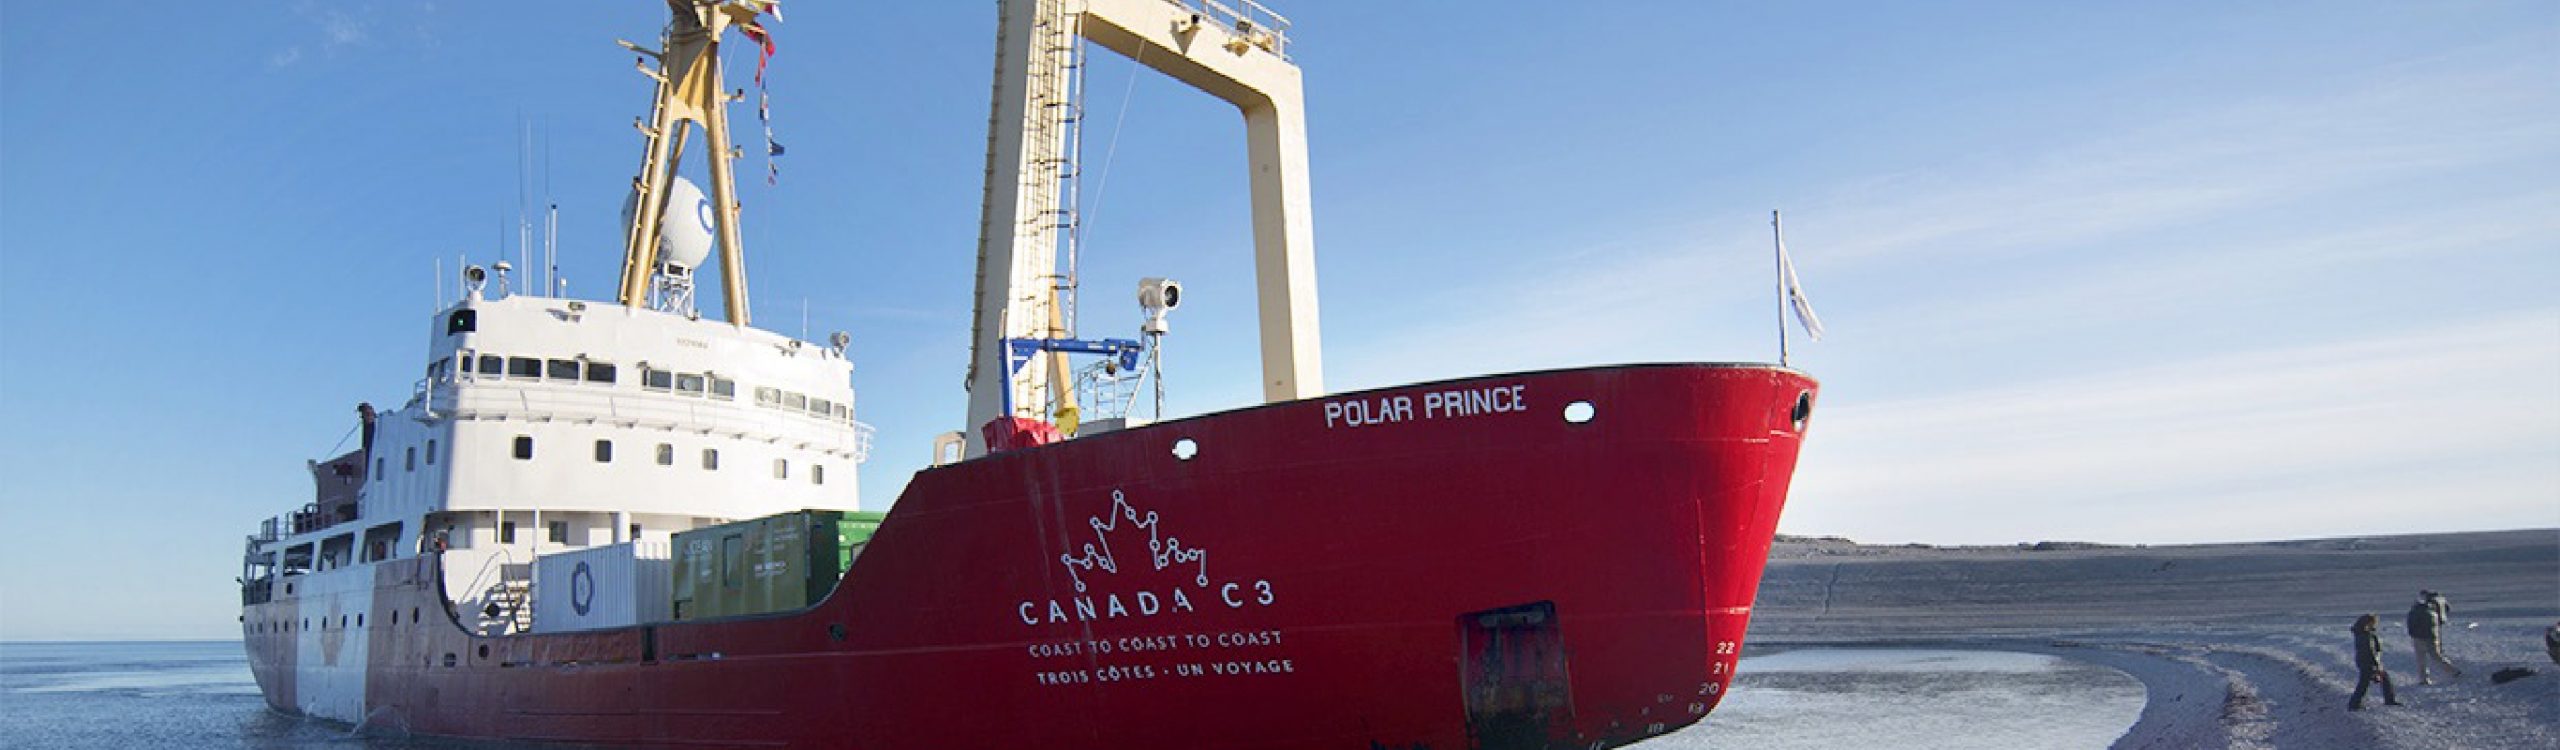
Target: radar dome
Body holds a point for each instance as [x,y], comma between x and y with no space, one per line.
[685,231]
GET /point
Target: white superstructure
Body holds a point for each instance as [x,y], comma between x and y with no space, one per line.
[543,426]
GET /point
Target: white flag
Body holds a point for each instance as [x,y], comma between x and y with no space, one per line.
[1795,296]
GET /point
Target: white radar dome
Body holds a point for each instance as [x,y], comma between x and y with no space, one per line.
[685,233]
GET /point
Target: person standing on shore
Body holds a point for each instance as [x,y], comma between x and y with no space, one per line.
[2369,664]
[2426,634]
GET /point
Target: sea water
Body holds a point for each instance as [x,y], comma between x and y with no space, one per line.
[153,696]
[150,696]
[1914,699]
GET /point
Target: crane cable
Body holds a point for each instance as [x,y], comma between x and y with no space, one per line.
[1085,217]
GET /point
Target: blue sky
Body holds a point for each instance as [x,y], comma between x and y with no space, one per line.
[2161,272]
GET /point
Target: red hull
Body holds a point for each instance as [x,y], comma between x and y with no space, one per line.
[1348,572]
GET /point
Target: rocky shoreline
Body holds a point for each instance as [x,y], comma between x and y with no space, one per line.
[2237,645]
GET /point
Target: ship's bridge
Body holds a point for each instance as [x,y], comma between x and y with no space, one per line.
[545,424]
[566,405]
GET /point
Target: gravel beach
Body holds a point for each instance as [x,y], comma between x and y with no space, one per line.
[2237,645]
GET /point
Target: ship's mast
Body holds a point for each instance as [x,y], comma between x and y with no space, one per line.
[689,93]
[1235,56]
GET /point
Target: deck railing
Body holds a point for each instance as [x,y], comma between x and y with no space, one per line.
[1255,23]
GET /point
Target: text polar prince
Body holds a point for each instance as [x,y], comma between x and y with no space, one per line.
[1460,402]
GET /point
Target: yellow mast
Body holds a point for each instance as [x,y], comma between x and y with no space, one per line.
[689,93]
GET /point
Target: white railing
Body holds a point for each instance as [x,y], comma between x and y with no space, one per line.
[1255,23]
[574,402]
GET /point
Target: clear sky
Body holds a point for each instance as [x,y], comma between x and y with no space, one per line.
[2151,272]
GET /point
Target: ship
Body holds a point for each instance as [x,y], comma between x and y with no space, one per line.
[623,523]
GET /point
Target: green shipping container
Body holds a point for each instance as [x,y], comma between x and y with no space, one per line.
[772,564]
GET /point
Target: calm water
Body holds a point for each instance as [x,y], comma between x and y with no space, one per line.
[149,696]
[1914,699]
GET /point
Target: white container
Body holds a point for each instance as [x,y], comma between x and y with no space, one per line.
[602,587]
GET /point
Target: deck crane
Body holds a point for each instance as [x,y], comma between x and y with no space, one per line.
[1236,55]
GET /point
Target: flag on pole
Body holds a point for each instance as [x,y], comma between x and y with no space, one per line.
[1795,295]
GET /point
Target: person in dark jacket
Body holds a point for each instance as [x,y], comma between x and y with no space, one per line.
[2426,634]
[2369,664]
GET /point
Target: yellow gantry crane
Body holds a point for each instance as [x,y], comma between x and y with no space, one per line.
[690,93]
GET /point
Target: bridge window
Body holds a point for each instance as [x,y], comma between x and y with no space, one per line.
[491,364]
[656,380]
[794,401]
[379,541]
[561,369]
[506,532]
[559,532]
[821,407]
[524,367]
[604,451]
[768,397]
[724,389]
[599,372]
[689,384]
[524,447]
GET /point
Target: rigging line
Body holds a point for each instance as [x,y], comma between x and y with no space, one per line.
[1085,217]
[342,440]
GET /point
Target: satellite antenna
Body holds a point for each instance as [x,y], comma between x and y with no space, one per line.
[686,233]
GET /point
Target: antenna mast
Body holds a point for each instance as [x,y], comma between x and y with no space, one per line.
[689,93]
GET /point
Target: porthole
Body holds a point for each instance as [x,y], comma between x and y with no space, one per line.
[413,614]
[448,659]
[524,447]
[1579,412]
[359,621]
[1803,410]
[484,650]
[1185,448]
[395,617]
